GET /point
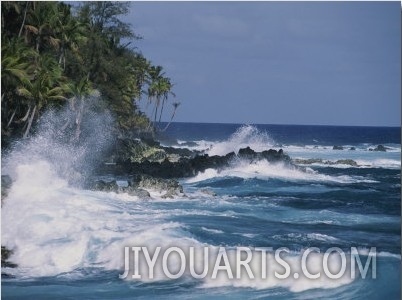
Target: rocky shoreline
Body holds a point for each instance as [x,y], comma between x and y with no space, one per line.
[149,166]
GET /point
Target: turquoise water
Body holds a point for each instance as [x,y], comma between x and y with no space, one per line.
[69,242]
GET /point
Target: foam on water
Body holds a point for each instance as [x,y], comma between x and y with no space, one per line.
[263,169]
[56,228]
[53,228]
[295,283]
[380,163]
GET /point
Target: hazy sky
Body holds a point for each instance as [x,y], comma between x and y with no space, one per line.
[330,63]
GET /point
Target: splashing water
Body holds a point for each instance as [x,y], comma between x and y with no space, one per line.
[72,161]
[245,136]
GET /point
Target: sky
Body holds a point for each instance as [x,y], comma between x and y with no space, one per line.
[316,63]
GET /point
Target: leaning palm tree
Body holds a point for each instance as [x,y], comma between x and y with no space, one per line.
[165,91]
[46,87]
[15,72]
[175,106]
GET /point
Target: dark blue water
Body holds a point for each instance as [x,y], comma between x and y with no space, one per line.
[291,134]
[320,204]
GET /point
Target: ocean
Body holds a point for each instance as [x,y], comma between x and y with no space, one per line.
[70,243]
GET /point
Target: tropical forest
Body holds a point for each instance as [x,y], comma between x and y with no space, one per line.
[77,57]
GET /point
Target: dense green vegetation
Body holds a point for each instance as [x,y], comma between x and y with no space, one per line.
[54,54]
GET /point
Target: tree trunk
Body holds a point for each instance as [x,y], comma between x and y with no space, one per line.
[78,120]
[160,115]
[23,21]
[62,57]
[26,115]
[171,119]
[30,123]
[156,111]
[11,119]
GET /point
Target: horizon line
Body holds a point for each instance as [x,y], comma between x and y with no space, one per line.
[283,124]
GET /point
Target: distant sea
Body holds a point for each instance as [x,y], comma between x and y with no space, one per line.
[69,242]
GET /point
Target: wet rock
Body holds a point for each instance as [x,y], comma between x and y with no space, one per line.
[105,186]
[308,161]
[380,148]
[168,186]
[150,141]
[352,148]
[337,148]
[350,162]
[246,152]
[182,152]
[188,167]
[140,193]
[272,155]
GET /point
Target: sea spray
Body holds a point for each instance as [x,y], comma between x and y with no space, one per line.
[245,136]
[72,159]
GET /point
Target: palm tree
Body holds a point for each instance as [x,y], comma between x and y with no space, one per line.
[175,106]
[159,88]
[15,72]
[165,90]
[40,24]
[45,88]
[69,32]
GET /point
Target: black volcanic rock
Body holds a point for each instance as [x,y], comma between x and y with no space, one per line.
[188,167]
[246,152]
[380,148]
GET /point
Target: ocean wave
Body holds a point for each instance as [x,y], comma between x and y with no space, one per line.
[216,231]
[306,237]
[244,136]
[53,228]
[265,170]
[350,163]
[379,163]
[294,283]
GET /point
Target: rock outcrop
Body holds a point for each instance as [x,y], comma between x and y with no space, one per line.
[380,148]
[188,167]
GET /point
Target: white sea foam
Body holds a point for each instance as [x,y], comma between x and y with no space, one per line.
[380,163]
[212,230]
[293,283]
[245,136]
[306,237]
[263,169]
[53,228]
